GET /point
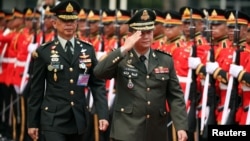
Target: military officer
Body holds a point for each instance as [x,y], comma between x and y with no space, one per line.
[145,79]
[58,107]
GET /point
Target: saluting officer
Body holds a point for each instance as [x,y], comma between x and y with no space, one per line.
[145,79]
[62,69]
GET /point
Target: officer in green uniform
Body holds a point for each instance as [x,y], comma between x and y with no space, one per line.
[143,84]
[62,69]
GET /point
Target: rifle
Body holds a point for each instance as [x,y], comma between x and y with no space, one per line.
[190,85]
[208,96]
[117,29]
[191,88]
[232,88]
[101,28]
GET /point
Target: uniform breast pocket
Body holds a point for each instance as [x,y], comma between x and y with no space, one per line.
[162,77]
[48,114]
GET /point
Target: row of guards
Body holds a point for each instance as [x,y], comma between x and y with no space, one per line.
[208,46]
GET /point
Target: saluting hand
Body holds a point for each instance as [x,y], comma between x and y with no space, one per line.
[130,41]
[33,132]
[103,124]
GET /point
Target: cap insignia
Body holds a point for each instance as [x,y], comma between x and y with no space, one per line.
[29,11]
[214,13]
[104,14]
[186,12]
[82,12]
[168,17]
[47,8]
[144,15]
[69,8]
[119,14]
[231,16]
[91,14]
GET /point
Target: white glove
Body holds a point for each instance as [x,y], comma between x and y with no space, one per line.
[32,47]
[193,62]
[235,70]
[211,67]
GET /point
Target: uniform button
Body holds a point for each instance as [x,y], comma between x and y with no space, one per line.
[72,92]
[149,102]
[113,61]
[162,78]
[148,89]
[122,109]
[70,69]
[46,108]
[71,81]
[72,103]
[147,76]
[148,116]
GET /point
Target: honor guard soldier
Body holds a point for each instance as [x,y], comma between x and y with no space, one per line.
[241,69]
[145,79]
[159,38]
[48,29]
[94,30]
[110,40]
[223,53]
[83,26]
[122,16]
[58,108]
[194,18]
[30,33]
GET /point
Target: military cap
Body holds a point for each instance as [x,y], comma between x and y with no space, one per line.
[67,10]
[172,18]
[17,13]
[94,15]
[143,19]
[159,16]
[122,15]
[8,15]
[108,16]
[83,14]
[30,13]
[186,13]
[47,11]
[216,16]
[2,14]
[231,17]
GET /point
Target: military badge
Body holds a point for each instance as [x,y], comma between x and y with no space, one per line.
[161,69]
[130,84]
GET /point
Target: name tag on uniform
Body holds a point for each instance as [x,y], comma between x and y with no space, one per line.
[83,80]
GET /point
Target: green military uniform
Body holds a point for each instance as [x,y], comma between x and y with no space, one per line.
[140,106]
[57,98]
[142,88]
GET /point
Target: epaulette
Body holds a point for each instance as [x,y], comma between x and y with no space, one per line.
[164,52]
[46,43]
[85,41]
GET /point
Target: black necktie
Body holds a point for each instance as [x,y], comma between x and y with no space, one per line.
[142,59]
[68,47]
